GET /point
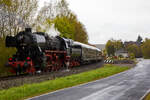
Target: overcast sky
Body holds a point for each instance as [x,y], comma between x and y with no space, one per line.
[117,19]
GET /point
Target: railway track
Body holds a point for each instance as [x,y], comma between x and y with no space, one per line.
[10,77]
[12,81]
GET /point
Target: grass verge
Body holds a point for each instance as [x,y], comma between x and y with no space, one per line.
[28,90]
[147,97]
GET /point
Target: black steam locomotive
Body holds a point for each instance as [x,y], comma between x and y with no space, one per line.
[38,52]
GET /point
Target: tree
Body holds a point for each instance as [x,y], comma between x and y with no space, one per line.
[45,16]
[110,48]
[15,15]
[62,8]
[146,48]
[64,20]
[5,2]
[139,40]
[104,52]
[132,56]
[48,13]
[65,27]
[118,44]
[136,50]
[80,33]
[70,27]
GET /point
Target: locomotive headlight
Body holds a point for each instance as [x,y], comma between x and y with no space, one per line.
[28,58]
[10,59]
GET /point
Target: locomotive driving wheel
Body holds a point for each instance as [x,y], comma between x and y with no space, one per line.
[30,69]
[48,66]
[58,65]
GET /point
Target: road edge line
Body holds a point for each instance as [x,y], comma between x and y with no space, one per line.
[142,98]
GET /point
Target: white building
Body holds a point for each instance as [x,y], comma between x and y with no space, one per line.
[122,52]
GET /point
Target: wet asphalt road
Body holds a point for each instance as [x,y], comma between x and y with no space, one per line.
[129,85]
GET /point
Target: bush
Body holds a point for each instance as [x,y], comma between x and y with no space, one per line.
[120,56]
[132,56]
[135,49]
[5,53]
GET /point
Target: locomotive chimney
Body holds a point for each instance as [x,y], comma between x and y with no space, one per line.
[28,30]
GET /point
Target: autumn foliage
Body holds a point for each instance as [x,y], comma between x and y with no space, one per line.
[146,48]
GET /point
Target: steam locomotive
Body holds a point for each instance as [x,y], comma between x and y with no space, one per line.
[38,52]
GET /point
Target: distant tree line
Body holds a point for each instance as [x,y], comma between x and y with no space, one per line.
[146,48]
[135,49]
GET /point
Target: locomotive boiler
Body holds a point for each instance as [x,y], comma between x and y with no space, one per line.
[38,52]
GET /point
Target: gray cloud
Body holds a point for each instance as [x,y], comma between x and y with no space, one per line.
[118,19]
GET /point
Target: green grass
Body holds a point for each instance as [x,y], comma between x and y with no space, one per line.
[28,90]
[147,97]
